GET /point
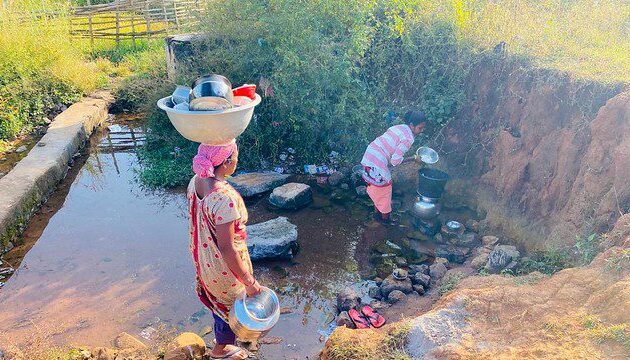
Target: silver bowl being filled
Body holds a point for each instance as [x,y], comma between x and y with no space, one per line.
[427,155]
[253,317]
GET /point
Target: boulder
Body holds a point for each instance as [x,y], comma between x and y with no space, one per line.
[347,299]
[469,240]
[125,341]
[400,261]
[434,330]
[291,196]
[501,258]
[390,284]
[480,260]
[396,296]
[186,346]
[273,239]
[378,281]
[422,268]
[452,253]
[6,271]
[336,178]
[255,183]
[437,271]
[21,149]
[375,293]
[421,279]
[343,319]
[489,240]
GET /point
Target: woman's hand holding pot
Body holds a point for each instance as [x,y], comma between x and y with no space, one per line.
[253,289]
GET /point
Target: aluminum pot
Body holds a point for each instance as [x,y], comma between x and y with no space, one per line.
[253,317]
[426,208]
[211,92]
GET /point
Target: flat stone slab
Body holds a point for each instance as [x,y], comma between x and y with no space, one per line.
[273,239]
[255,183]
[291,196]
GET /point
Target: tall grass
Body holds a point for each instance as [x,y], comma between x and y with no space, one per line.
[39,67]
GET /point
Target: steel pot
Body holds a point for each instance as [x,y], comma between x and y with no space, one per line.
[253,317]
[211,92]
[426,208]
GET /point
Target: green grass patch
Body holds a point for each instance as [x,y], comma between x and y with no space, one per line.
[449,282]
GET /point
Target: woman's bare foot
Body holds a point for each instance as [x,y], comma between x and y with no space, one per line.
[228,352]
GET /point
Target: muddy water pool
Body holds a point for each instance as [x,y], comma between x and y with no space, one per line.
[112,256]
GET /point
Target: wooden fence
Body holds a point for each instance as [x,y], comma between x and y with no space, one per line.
[133,19]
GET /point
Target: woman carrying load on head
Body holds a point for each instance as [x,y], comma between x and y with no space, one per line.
[217,241]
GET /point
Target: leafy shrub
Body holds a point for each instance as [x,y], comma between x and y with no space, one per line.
[586,247]
[547,262]
[39,68]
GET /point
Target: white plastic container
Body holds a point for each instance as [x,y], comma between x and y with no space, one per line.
[210,127]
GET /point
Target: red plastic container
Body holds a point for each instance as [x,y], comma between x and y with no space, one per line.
[248,90]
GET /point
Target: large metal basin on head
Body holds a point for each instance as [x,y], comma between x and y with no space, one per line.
[210,127]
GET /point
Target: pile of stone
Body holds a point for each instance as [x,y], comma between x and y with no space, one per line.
[494,258]
[416,280]
[456,246]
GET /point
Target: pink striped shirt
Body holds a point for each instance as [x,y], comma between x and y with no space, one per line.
[388,148]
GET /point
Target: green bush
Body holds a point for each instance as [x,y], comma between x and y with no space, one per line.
[39,67]
[332,74]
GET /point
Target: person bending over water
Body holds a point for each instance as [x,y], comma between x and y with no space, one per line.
[389,148]
[217,242]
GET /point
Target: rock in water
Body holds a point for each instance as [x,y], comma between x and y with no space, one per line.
[273,239]
[255,183]
[501,258]
[343,319]
[437,271]
[291,196]
[347,299]
[187,346]
[396,296]
[390,284]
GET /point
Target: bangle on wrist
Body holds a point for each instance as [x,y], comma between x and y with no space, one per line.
[250,284]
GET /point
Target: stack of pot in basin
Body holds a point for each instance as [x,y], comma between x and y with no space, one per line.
[211,111]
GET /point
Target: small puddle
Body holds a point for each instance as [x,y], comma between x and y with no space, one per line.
[106,255]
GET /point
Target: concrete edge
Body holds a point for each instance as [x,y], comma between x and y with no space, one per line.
[34,178]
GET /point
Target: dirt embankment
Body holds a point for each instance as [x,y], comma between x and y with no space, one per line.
[548,148]
[578,313]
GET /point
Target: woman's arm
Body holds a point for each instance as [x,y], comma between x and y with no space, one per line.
[225,243]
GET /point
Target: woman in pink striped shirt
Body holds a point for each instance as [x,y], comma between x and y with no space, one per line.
[389,148]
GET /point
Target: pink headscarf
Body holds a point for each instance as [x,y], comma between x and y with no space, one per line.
[209,156]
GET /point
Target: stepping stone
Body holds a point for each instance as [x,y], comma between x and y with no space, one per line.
[291,196]
[255,183]
[273,239]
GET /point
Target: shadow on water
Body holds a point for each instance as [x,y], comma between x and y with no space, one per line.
[106,255]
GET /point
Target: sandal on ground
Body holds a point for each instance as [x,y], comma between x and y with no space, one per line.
[230,354]
[375,319]
[359,321]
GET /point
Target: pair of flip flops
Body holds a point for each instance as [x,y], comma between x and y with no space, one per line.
[367,318]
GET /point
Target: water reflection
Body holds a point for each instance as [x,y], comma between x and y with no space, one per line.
[115,258]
